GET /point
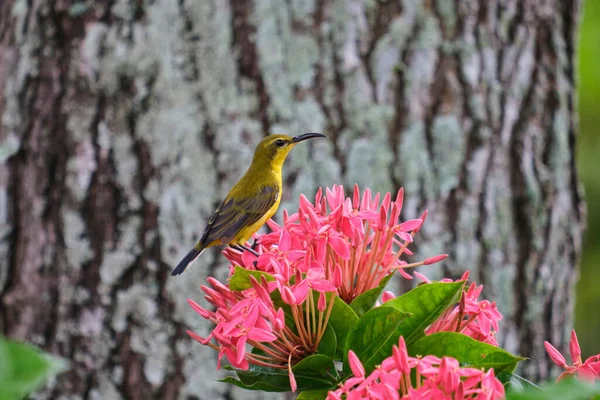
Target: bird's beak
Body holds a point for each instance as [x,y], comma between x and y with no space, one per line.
[305,136]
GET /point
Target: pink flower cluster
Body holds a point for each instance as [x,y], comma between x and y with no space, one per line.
[338,246]
[435,379]
[588,370]
[473,317]
[348,242]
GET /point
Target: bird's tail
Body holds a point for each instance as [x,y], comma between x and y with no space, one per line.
[189,258]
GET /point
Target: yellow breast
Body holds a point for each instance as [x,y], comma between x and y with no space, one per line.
[246,233]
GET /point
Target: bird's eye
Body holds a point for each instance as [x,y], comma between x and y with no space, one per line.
[279,143]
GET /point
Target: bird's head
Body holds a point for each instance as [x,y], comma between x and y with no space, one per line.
[274,148]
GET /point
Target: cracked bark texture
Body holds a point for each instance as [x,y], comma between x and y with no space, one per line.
[124,122]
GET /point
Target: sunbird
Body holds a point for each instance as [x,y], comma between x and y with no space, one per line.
[251,202]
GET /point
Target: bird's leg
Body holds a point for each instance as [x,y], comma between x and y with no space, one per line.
[236,247]
[249,249]
[254,244]
[241,248]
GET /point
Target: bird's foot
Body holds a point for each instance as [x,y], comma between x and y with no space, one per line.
[251,250]
[254,244]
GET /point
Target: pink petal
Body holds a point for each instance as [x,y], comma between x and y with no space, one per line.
[273,225]
[203,313]
[340,246]
[293,384]
[287,296]
[405,274]
[322,303]
[555,355]
[405,236]
[355,365]
[261,335]
[365,204]
[401,359]
[337,276]
[410,225]
[323,229]
[386,201]
[300,291]
[387,295]
[323,286]
[198,338]
[433,260]
[248,259]
[421,277]
[240,348]
[382,216]
[285,240]
[356,197]
[315,273]
[574,348]
[294,255]
[394,215]
[587,373]
[400,198]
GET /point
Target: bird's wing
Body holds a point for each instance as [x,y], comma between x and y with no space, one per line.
[235,214]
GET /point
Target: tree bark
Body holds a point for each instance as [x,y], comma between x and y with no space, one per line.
[124,122]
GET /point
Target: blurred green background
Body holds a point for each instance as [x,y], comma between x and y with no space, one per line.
[587,312]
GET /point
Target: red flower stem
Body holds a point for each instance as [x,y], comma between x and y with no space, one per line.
[313,313]
[272,353]
[300,325]
[368,268]
[407,382]
[377,273]
[404,246]
[320,326]
[467,322]
[285,340]
[460,316]
[252,359]
[213,346]
[322,332]
[292,335]
[353,266]
[307,315]
[411,265]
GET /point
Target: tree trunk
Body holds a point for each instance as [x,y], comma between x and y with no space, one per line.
[124,122]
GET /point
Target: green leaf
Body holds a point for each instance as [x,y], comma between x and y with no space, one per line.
[277,380]
[313,395]
[468,351]
[516,382]
[374,335]
[571,389]
[342,320]
[24,368]
[425,303]
[366,301]
[266,387]
[378,330]
[319,363]
[240,280]
[328,343]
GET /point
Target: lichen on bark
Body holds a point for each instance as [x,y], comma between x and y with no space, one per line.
[123,124]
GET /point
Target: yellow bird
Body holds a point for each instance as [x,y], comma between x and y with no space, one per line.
[251,202]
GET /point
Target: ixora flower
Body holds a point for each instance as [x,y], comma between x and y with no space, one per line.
[473,317]
[588,370]
[433,378]
[334,248]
